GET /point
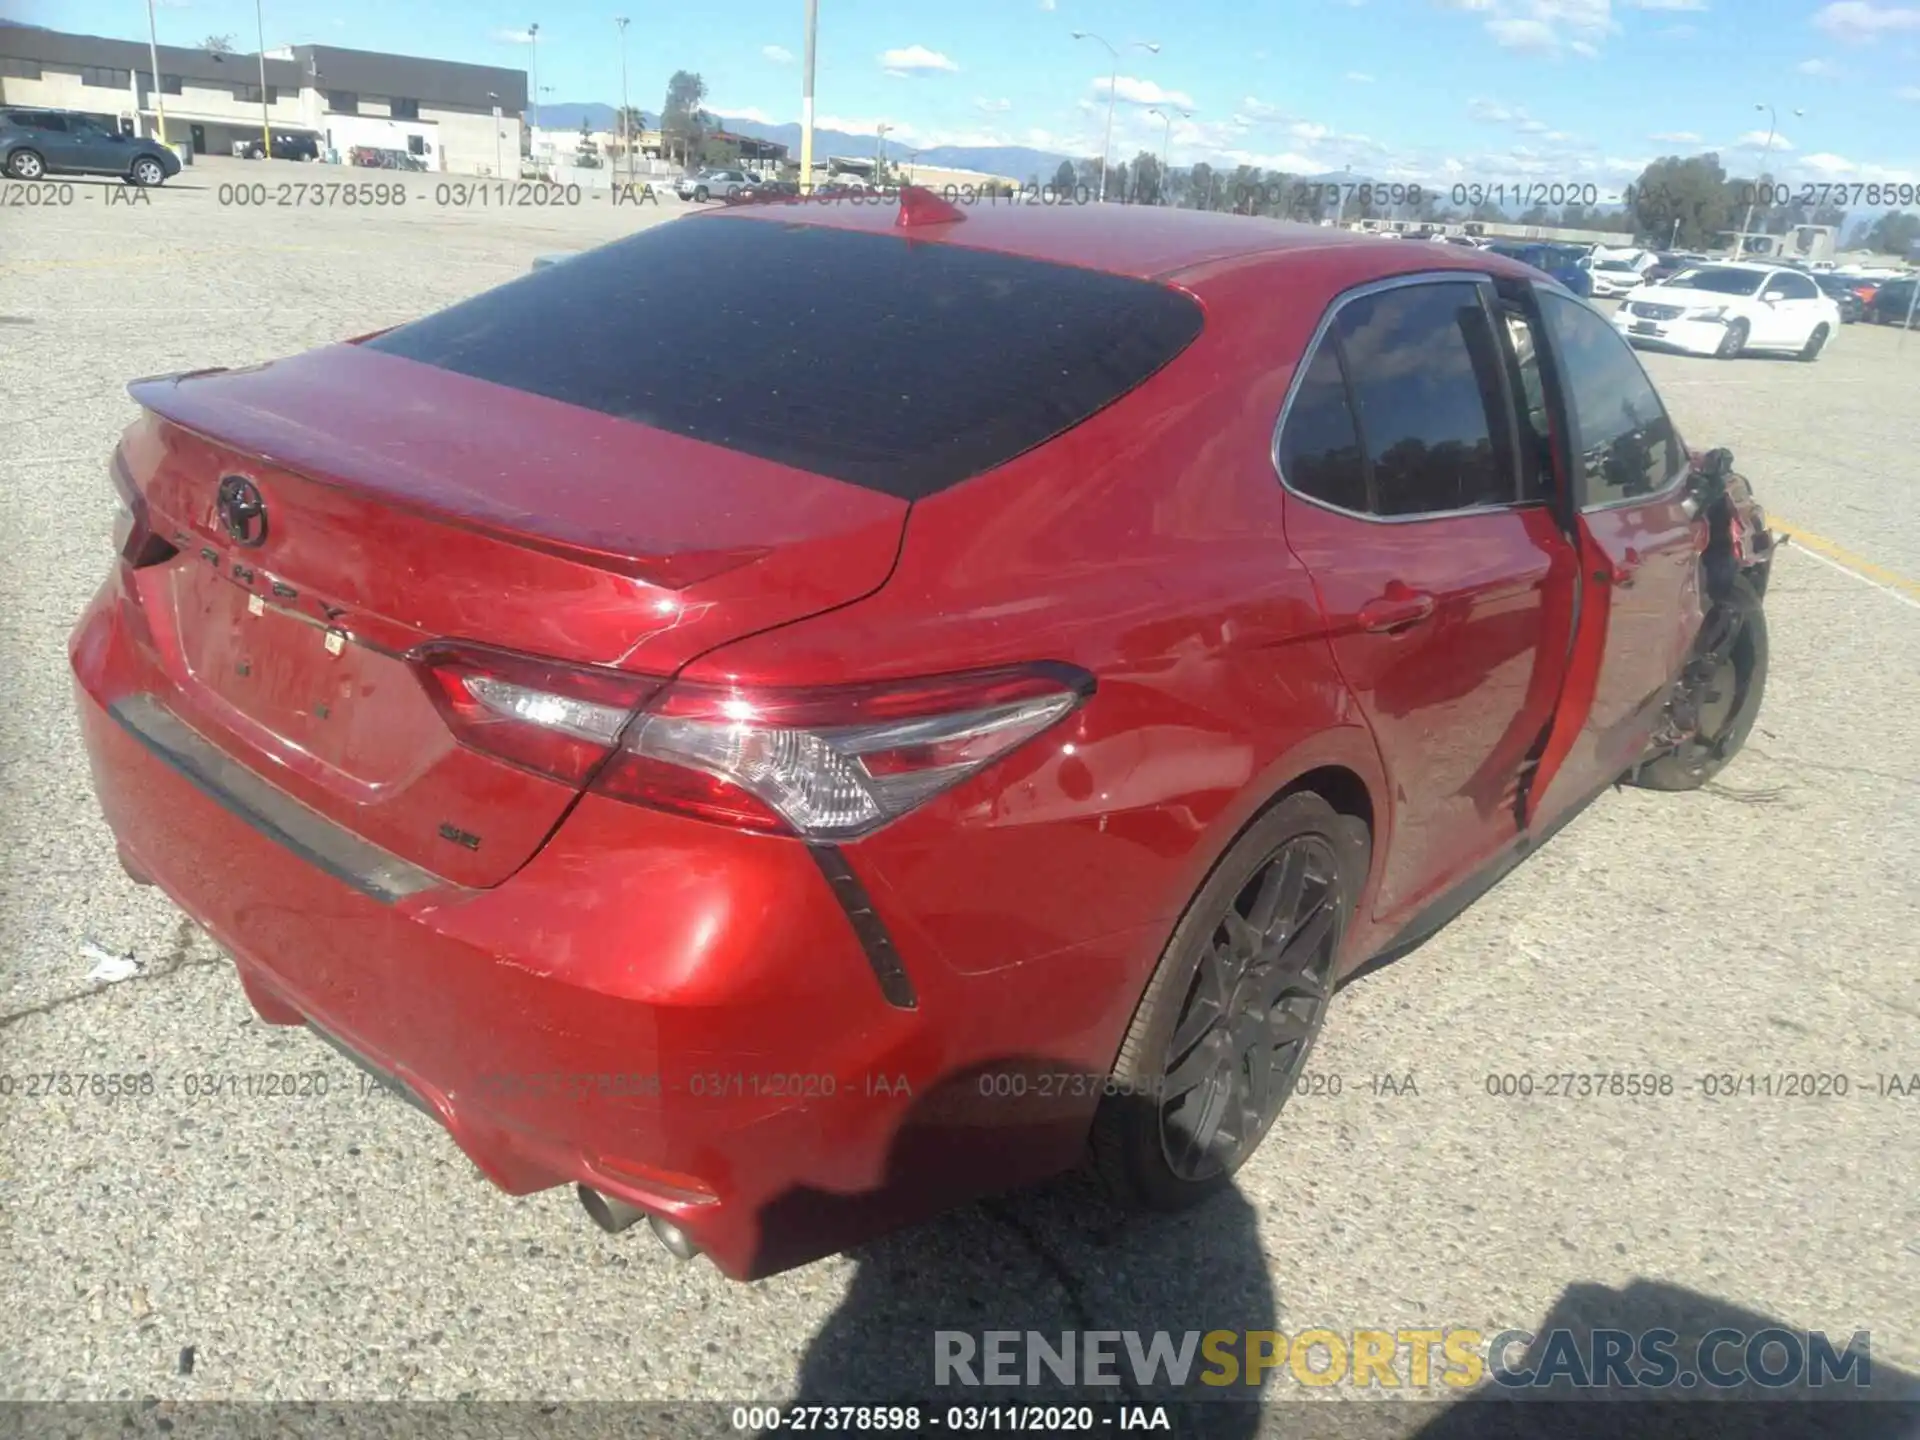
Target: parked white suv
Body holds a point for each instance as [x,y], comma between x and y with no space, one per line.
[712,185]
[1728,309]
[1613,276]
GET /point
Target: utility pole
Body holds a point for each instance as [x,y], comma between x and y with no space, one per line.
[1166,144]
[499,131]
[153,51]
[880,153]
[626,125]
[1113,85]
[1773,124]
[806,101]
[266,128]
[533,62]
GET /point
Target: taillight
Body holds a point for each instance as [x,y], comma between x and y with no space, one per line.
[559,720]
[825,763]
[133,535]
[831,763]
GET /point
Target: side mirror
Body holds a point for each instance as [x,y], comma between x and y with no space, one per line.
[1774,297]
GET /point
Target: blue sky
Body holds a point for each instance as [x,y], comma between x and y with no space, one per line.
[1478,90]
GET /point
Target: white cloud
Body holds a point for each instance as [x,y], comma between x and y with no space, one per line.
[1668,4]
[779,54]
[1528,37]
[1048,4]
[1359,77]
[914,60]
[1857,20]
[1909,92]
[1826,164]
[992,107]
[1757,140]
[513,37]
[1824,69]
[1259,109]
[1309,132]
[1491,111]
[1676,137]
[1584,49]
[1142,92]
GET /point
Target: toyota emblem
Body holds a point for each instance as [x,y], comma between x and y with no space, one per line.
[243,514]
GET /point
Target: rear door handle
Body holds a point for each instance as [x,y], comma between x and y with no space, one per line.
[1396,610]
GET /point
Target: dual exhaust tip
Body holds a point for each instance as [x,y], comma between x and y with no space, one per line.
[614,1216]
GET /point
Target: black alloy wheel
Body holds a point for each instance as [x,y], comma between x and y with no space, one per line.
[1220,1039]
[1252,1011]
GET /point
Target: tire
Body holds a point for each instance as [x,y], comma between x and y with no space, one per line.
[700,194]
[26,165]
[146,172]
[1816,342]
[1150,1145]
[1734,341]
[1697,761]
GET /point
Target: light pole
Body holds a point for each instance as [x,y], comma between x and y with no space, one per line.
[1166,145]
[533,64]
[1773,124]
[1674,238]
[266,131]
[880,152]
[806,101]
[626,125]
[153,51]
[499,131]
[1113,85]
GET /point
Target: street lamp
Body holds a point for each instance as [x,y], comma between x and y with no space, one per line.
[1113,85]
[626,129]
[806,101]
[499,132]
[153,50]
[1773,124]
[533,64]
[880,152]
[1166,143]
[266,132]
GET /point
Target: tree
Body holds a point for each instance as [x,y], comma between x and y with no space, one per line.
[1203,186]
[1894,233]
[683,124]
[1537,215]
[1148,183]
[1064,180]
[218,44]
[1089,173]
[1117,183]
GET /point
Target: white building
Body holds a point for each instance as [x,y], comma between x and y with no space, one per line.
[446,115]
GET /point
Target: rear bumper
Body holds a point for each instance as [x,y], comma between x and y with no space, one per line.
[673,1013]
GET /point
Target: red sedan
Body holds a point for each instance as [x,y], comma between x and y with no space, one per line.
[810,713]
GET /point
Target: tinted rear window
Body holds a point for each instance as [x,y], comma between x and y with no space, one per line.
[899,365]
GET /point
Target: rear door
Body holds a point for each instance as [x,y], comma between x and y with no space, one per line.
[1639,551]
[50,136]
[1446,581]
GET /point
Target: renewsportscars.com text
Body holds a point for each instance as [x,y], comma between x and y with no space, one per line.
[1453,1358]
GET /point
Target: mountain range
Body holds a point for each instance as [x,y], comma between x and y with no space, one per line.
[1016,162]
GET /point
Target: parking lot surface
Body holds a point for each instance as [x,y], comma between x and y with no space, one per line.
[340,1247]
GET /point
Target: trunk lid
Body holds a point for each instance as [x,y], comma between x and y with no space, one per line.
[400,504]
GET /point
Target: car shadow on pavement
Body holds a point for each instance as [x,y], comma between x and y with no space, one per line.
[1570,1400]
[1056,1257]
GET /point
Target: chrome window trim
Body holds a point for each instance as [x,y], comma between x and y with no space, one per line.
[1484,283]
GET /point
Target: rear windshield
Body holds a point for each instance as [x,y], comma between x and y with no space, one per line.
[891,363]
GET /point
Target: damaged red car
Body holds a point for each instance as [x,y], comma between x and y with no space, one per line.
[807,714]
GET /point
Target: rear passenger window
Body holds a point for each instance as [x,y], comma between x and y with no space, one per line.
[1320,448]
[1428,421]
[1627,445]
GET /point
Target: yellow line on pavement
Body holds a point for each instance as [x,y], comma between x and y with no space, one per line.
[1839,554]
